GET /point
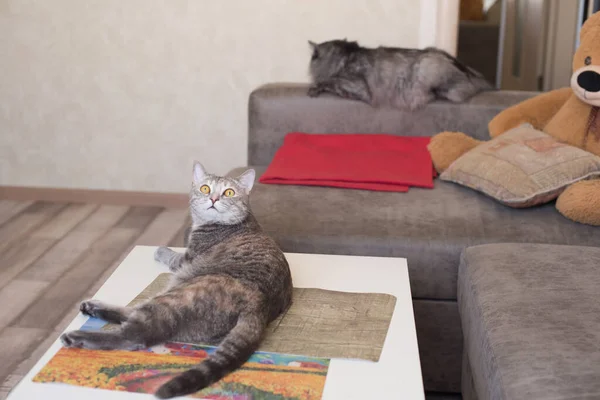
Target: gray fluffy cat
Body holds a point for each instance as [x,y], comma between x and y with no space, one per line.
[388,76]
[231,282]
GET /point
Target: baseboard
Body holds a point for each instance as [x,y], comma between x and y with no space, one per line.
[115,197]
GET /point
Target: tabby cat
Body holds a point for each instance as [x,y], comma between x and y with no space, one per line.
[229,284]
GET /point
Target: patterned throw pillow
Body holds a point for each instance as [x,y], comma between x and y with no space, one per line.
[523,167]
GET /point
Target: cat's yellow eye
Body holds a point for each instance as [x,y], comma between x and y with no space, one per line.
[205,189]
[228,193]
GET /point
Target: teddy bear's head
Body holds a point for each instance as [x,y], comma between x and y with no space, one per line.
[585,81]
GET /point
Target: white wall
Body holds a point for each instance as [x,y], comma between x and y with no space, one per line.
[439,24]
[124,94]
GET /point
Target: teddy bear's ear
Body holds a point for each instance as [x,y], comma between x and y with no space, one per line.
[592,23]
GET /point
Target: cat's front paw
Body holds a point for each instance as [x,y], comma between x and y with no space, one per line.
[315,90]
[162,254]
[89,307]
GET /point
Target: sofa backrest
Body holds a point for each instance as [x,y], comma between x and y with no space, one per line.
[279,108]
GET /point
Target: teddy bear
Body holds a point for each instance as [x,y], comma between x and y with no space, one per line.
[570,115]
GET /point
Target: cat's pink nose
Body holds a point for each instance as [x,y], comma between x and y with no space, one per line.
[214,199]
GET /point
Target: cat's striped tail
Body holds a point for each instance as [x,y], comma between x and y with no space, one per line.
[234,350]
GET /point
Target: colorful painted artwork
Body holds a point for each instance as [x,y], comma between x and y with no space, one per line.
[266,376]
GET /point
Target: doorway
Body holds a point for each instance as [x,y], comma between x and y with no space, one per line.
[522,44]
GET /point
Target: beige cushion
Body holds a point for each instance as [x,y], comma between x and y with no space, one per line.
[523,167]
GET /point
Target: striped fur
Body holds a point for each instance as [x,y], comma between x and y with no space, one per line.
[230,283]
[406,79]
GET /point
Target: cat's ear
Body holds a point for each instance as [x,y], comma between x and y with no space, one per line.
[199,172]
[315,50]
[246,180]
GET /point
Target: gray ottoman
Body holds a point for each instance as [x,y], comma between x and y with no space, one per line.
[531,321]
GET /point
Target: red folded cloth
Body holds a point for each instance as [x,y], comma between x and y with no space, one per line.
[359,161]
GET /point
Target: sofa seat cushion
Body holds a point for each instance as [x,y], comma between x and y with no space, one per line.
[429,227]
[530,320]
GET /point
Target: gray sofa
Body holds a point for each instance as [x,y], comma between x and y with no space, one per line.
[531,321]
[430,228]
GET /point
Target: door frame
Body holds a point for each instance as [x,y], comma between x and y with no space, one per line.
[438,27]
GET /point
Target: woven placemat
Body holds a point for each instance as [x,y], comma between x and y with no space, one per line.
[320,323]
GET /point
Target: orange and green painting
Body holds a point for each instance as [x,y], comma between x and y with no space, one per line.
[266,376]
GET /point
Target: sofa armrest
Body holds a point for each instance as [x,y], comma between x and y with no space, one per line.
[279,108]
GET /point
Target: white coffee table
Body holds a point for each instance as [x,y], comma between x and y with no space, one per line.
[397,375]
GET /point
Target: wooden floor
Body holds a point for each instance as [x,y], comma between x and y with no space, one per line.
[54,255]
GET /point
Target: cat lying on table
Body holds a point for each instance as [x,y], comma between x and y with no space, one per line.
[229,284]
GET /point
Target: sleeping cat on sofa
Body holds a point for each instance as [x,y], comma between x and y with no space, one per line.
[406,79]
[229,284]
